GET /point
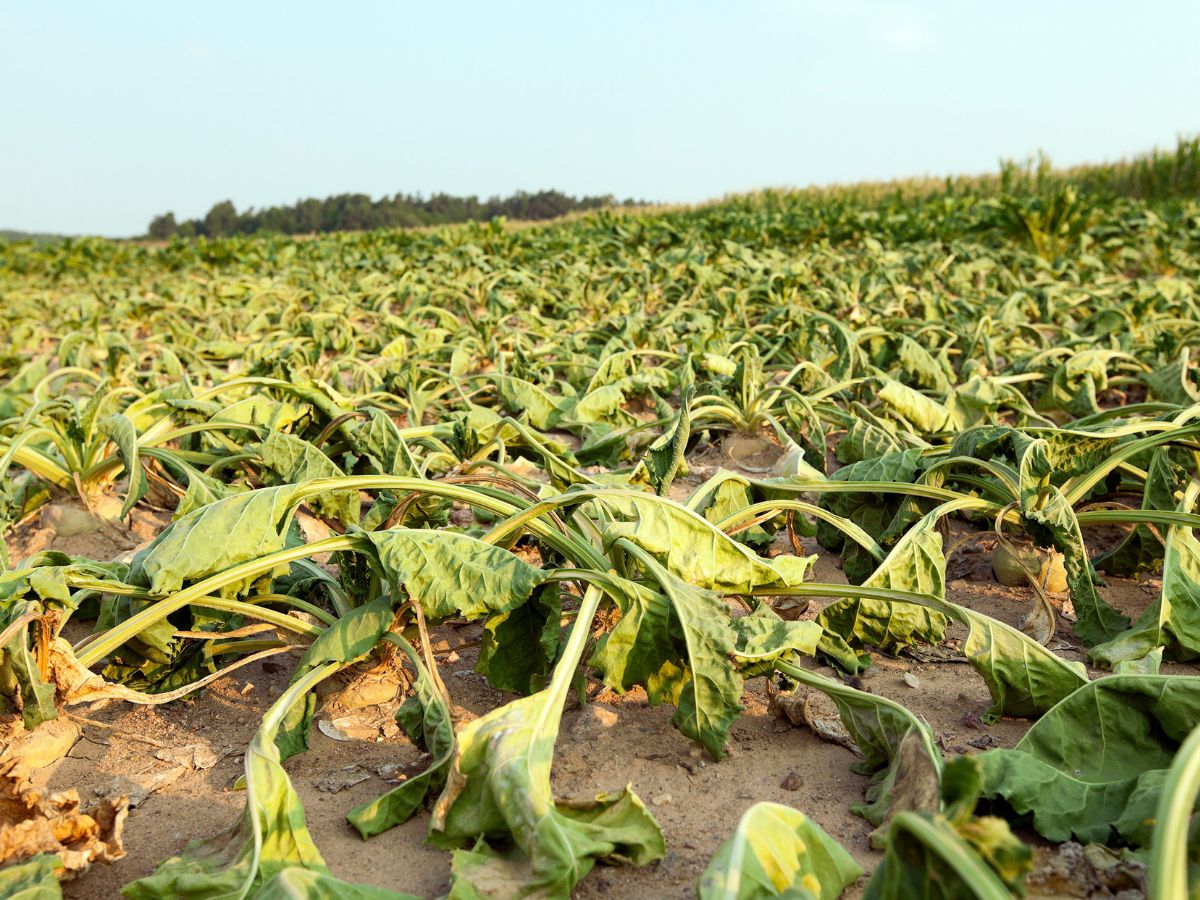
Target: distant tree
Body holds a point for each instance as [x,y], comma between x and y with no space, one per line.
[353,212]
[162,227]
[222,220]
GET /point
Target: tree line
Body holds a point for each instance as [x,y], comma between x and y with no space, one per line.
[357,212]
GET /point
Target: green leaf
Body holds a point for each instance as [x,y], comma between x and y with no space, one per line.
[520,645]
[499,788]
[34,879]
[778,851]
[118,429]
[270,838]
[1093,765]
[915,564]
[353,636]
[427,721]
[662,460]
[898,749]
[452,574]
[1173,620]
[216,537]
[694,549]
[293,460]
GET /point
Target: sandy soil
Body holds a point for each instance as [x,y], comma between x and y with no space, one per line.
[620,740]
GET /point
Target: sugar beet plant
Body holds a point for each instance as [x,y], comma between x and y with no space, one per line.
[507,428]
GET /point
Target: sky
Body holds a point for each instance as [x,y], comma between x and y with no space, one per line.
[115,112]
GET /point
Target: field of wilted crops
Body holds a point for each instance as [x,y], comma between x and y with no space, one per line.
[790,546]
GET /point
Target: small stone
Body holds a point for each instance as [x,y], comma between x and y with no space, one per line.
[137,791]
[792,781]
[340,779]
[912,680]
[248,689]
[121,786]
[393,772]
[194,756]
[662,800]
[596,717]
[452,658]
[89,750]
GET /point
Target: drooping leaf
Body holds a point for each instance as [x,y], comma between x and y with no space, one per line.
[202,490]
[216,537]
[915,564]
[1022,676]
[1173,844]
[692,548]
[1044,504]
[1093,765]
[520,645]
[1142,548]
[353,636]
[452,574]
[294,882]
[118,429]
[898,749]
[270,839]
[34,879]
[705,690]
[778,851]
[378,440]
[530,402]
[662,460]
[871,511]
[763,637]
[427,721]
[19,671]
[951,854]
[1172,621]
[499,788]
[725,494]
[924,412]
[293,460]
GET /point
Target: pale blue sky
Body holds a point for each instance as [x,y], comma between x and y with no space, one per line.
[116,111]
